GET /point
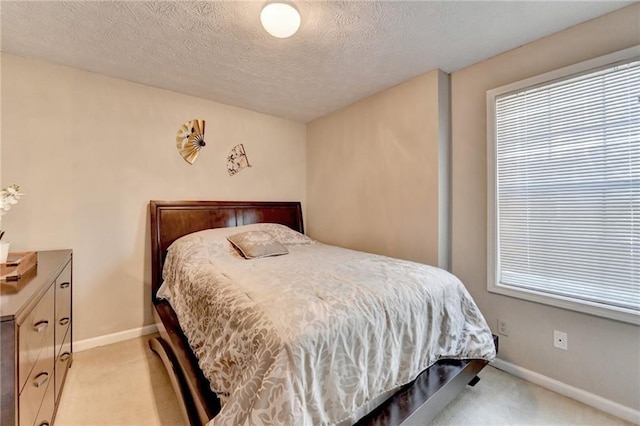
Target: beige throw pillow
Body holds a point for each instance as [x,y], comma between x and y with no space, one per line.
[256,244]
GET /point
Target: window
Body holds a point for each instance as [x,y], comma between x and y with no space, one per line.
[564,187]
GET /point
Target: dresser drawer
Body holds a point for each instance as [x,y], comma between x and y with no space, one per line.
[34,334]
[48,407]
[35,388]
[63,293]
[30,327]
[63,305]
[63,360]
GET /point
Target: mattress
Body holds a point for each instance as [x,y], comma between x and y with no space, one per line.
[318,336]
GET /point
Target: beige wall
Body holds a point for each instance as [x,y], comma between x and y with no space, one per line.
[373,174]
[604,355]
[1,186]
[90,151]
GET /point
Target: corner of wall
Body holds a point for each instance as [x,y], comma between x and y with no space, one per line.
[444,170]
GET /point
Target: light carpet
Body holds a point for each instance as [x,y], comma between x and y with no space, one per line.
[126,384]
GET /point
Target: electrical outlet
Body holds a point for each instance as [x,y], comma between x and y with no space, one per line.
[560,340]
[503,327]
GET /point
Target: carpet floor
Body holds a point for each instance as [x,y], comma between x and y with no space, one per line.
[126,384]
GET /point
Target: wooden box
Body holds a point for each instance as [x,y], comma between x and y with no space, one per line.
[18,264]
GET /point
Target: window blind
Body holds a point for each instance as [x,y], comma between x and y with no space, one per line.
[568,187]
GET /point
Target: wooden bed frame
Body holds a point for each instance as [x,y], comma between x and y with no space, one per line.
[414,404]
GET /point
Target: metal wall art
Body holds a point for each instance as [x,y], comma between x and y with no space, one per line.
[237,160]
[190,140]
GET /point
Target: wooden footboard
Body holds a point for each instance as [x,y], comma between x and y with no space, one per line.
[198,403]
[416,404]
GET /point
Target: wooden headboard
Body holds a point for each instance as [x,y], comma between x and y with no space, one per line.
[171,220]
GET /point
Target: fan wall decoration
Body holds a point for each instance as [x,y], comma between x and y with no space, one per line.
[190,140]
[237,160]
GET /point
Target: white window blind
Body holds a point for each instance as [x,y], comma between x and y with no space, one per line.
[567,187]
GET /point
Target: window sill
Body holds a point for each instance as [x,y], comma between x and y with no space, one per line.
[585,307]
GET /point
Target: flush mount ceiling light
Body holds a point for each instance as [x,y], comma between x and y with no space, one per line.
[281,20]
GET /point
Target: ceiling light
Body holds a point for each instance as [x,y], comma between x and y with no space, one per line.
[280,20]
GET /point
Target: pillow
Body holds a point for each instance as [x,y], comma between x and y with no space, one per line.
[256,244]
[283,234]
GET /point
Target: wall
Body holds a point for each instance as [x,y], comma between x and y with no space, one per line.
[90,152]
[373,174]
[1,186]
[603,356]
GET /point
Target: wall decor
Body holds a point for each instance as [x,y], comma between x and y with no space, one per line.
[237,160]
[190,140]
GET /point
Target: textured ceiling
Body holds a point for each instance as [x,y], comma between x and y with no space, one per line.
[343,52]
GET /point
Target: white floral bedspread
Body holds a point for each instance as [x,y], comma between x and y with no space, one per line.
[317,336]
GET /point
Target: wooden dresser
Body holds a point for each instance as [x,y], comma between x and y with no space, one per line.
[35,333]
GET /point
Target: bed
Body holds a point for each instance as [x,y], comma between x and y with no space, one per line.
[414,403]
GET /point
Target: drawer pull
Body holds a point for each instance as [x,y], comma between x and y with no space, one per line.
[64,321]
[44,424]
[65,284]
[40,326]
[40,379]
[65,356]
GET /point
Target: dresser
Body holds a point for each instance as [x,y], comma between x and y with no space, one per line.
[35,336]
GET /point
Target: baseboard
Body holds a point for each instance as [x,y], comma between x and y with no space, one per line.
[627,413]
[107,339]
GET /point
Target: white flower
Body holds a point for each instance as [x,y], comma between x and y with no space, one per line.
[9,197]
[13,191]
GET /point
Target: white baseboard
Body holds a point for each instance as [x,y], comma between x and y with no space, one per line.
[627,413]
[83,345]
